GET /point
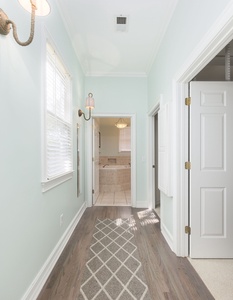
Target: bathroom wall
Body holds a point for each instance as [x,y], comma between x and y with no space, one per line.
[110,141]
[109,150]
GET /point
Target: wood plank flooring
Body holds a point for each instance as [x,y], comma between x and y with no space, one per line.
[168,277]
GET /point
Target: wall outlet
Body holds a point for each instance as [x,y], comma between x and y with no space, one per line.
[61,220]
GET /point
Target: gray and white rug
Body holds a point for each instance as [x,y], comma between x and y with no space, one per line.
[113,270]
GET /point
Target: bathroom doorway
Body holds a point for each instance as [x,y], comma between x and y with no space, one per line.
[112,163]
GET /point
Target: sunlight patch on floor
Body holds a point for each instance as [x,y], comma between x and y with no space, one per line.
[147,217]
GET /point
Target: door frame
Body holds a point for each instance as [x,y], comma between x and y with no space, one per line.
[151,152]
[213,42]
[88,155]
[94,146]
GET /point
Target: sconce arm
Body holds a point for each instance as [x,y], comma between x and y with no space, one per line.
[31,32]
[80,113]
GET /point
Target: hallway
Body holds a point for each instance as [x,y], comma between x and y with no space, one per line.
[168,276]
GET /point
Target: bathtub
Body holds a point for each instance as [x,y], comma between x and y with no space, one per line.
[115,166]
[114,178]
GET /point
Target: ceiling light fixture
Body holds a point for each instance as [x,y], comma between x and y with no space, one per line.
[121,123]
[36,7]
[90,104]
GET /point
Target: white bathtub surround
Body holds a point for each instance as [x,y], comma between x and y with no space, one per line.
[117,160]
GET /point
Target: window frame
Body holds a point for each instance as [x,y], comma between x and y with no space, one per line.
[49,183]
[128,129]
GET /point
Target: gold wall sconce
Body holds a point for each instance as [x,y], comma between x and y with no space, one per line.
[36,7]
[90,104]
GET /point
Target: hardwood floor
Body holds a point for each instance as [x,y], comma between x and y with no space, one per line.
[168,276]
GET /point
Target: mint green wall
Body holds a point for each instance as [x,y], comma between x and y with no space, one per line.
[189,24]
[29,222]
[118,95]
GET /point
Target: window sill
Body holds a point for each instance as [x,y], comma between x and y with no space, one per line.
[49,184]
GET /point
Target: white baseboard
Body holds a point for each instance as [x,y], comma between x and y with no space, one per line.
[167,235]
[39,281]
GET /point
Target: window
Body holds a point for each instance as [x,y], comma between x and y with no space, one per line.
[124,139]
[58,164]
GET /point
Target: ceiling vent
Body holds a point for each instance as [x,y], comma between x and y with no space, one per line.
[121,23]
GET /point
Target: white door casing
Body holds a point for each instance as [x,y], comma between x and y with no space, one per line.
[151,151]
[155,166]
[95,161]
[211,186]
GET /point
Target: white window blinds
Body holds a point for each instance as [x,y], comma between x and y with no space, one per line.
[58,133]
[124,139]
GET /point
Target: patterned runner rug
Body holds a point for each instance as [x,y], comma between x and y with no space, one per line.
[113,270]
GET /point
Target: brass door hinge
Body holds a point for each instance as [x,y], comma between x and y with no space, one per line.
[187,229]
[188,165]
[93,191]
[188,101]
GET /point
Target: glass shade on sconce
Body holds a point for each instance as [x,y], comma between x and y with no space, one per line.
[90,101]
[90,104]
[42,6]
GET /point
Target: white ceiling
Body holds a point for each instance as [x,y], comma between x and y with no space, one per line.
[102,50]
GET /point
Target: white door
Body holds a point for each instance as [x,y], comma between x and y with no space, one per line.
[211,176]
[95,162]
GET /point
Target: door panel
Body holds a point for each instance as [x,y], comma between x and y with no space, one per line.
[213,132]
[213,200]
[211,186]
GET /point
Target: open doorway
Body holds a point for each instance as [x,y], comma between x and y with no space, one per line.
[111,161]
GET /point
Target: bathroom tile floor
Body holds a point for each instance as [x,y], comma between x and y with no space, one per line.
[122,198]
